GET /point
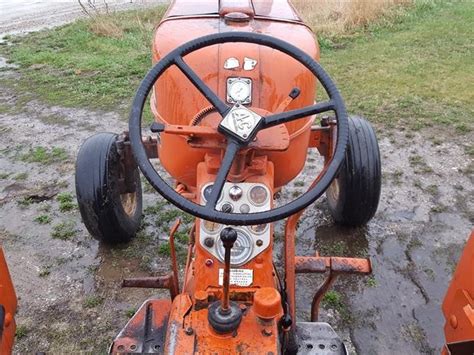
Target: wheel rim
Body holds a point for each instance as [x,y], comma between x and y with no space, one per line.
[129,203]
[334,190]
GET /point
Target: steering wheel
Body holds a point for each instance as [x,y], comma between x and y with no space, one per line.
[239,136]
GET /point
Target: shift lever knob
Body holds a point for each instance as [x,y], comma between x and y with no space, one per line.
[228,237]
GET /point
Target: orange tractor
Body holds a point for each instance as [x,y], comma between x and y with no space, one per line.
[232,91]
[8,307]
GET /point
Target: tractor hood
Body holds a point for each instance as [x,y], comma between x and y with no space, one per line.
[269,9]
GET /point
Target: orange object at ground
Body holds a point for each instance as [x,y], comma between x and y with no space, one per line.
[8,304]
[458,305]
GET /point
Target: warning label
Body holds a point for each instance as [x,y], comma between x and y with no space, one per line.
[238,277]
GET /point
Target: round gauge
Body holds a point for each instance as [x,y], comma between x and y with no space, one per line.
[259,228]
[240,252]
[211,227]
[244,208]
[258,195]
[206,192]
[239,91]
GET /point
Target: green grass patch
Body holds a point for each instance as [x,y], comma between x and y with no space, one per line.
[164,249]
[64,230]
[417,71]
[76,65]
[43,219]
[65,200]
[93,301]
[45,155]
[21,331]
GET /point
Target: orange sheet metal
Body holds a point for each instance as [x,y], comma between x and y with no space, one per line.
[9,303]
[458,305]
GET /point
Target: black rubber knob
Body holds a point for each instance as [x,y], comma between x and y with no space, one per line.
[228,237]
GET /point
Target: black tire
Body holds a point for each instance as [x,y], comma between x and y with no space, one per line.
[110,213]
[354,195]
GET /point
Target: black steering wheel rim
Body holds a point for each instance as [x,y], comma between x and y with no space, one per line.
[176,58]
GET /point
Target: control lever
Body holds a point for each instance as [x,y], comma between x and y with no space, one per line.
[294,93]
[225,316]
[228,238]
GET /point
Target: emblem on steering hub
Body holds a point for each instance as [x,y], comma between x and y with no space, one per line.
[241,122]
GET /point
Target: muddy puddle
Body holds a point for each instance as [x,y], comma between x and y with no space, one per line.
[68,285]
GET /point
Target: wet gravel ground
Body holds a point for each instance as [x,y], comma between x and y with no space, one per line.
[69,290]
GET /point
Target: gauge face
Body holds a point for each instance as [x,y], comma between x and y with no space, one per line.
[206,192]
[211,227]
[239,90]
[259,228]
[240,252]
[258,195]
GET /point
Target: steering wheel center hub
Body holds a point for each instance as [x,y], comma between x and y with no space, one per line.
[241,123]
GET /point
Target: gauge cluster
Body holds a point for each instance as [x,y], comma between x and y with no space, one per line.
[237,198]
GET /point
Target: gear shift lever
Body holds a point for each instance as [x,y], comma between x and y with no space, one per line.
[225,316]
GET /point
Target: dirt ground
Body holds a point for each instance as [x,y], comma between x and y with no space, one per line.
[69,291]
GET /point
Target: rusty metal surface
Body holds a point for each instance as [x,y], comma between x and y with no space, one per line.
[166,281]
[145,332]
[321,264]
[318,296]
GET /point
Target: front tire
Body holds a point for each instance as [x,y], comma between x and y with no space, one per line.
[354,195]
[110,208]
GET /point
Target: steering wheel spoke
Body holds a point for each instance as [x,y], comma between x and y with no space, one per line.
[213,99]
[230,153]
[283,117]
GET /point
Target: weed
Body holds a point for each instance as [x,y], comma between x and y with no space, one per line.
[469,149]
[296,193]
[336,248]
[171,215]
[371,281]
[93,301]
[43,219]
[164,249]
[129,313]
[181,237]
[65,200]
[299,183]
[439,208]
[419,164]
[21,332]
[433,190]
[333,299]
[64,230]
[4,176]
[44,272]
[417,183]
[25,201]
[395,176]
[45,156]
[414,242]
